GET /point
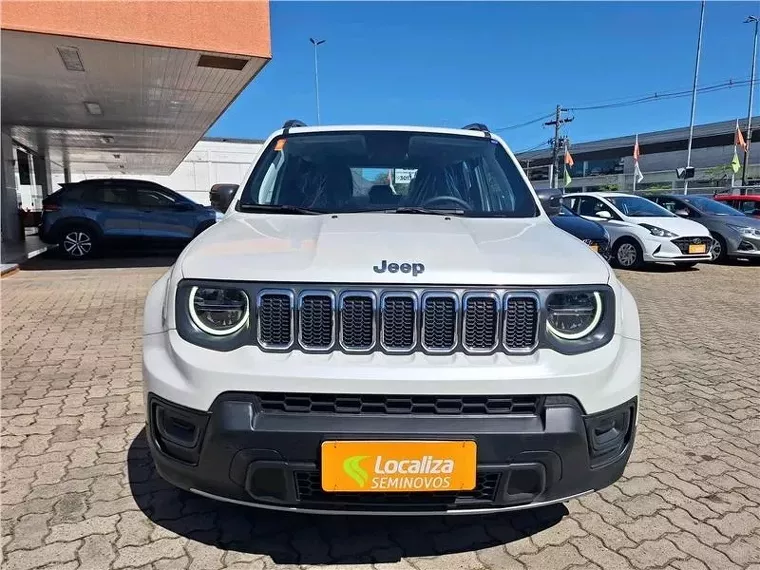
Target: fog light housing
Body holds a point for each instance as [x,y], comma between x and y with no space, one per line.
[609,433]
[176,431]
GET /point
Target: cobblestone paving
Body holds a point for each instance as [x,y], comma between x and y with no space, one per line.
[79,490]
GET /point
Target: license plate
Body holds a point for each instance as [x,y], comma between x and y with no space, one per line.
[694,248]
[398,466]
[594,248]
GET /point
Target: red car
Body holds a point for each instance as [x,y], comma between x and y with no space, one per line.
[749,204]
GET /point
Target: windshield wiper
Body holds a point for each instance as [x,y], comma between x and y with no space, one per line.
[277,209]
[421,210]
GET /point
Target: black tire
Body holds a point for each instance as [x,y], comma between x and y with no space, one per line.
[722,248]
[630,251]
[78,242]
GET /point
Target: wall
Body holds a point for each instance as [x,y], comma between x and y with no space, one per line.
[240,28]
[209,163]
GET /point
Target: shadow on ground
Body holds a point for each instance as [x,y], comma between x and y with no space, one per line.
[290,538]
[53,261]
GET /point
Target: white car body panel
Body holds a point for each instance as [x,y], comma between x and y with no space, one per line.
[344,248]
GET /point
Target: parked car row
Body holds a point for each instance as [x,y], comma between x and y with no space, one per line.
[659,228]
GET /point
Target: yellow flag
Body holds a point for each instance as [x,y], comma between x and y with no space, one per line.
[735,164]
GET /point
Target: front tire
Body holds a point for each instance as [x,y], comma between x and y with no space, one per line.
[720,249]
[78,242]
[628,254]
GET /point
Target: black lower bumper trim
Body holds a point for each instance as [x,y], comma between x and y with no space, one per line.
[235,452]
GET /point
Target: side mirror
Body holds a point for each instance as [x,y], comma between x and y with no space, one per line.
[604,214]
[221,196]
[551,200]
[682,213]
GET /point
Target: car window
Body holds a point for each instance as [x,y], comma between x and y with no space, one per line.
[590,206]
[710,206]
[149,197]
[749,206]
[639,207]
[112,195]
[669,204]
[366,171]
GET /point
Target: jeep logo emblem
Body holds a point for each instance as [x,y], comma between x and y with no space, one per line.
[414,268]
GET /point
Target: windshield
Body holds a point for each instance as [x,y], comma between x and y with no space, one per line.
[369,171]
[710,206]
[638,207]
[565,211]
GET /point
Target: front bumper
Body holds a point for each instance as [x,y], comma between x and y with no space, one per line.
[676,250]
[744,246]
[243,450]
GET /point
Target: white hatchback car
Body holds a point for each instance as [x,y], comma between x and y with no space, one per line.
[387,321]
[642,231]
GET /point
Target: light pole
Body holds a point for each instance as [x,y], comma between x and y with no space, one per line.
[750,20]
[316,43]
[694,94]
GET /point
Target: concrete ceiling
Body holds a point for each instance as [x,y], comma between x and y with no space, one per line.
[156,102]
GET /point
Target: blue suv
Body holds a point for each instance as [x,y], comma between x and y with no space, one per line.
[83,217]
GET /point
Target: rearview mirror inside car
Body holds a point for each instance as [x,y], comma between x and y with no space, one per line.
[221,196]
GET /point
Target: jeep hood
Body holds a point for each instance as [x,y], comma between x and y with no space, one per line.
[345,248]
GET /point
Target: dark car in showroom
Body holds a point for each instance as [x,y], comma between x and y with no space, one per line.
[591,233]
[86,217]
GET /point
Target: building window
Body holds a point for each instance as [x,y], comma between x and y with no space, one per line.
[604,167]
[22,159]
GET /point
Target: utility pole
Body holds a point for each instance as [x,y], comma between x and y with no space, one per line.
[694,94]
[316,43]
[556,142]
[749,20]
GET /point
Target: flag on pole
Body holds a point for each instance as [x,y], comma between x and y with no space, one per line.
[735,164]
[569,162]
[739,138]
[637,175]
[569,159]
[738,142]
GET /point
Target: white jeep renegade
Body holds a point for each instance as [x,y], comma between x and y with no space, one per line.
[386,321]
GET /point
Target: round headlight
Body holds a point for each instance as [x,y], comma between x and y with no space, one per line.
[571,316]
[218,311]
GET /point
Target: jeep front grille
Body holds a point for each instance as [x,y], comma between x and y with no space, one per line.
[316,321]
[275,314]
[398,322]
[440,316]
[435,321]
[521,322]
[357,321]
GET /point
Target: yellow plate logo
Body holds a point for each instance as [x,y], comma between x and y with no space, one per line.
[401,466]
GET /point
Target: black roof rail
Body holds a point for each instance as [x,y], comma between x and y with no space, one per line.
[477,127]
[293,123]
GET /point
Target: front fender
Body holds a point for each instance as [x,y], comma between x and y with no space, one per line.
[154,313]
[630,327]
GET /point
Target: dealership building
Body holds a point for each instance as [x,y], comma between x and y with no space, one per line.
[608,164]
[96,88]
